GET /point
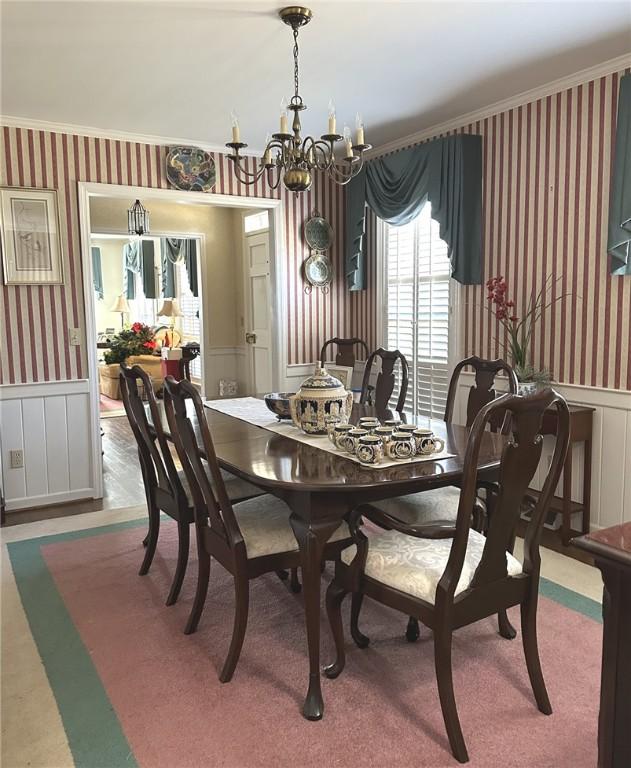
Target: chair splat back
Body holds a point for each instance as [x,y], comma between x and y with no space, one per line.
[211,502]
[157,459]
[518,465]
[386,379]
[482,391]
[345,350]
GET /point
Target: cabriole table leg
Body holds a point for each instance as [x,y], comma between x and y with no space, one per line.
[312,536]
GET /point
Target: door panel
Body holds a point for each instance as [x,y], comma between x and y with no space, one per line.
[258,311]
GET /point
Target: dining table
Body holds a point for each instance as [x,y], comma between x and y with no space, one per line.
[322,488]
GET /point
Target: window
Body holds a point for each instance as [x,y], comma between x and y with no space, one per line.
[256,222]
[189,322]
[416,311]
[143,309]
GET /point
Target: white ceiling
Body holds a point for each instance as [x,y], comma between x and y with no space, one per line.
[177,68]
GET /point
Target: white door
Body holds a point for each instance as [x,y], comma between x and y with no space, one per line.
[258,311]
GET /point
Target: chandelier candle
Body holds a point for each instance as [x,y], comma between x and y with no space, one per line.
[289,156]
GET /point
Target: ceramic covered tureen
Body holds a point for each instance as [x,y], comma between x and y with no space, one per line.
[319,398]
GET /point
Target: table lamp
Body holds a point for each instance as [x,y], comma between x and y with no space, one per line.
[121,305]
[170,308]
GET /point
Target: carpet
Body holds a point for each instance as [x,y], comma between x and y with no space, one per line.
[109,407]
[131,690]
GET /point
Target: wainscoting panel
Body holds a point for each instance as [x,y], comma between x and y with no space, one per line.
[223,363]
[611,450]
[50,422]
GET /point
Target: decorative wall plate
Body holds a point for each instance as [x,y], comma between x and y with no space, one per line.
[318,271]
[318,233]
[191,169]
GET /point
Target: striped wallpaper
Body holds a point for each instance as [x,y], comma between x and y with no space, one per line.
[546,195]
[35,319]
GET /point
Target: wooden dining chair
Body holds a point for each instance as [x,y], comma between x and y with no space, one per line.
[441,504]
[248,539]
[448,575]
[386,379]
[345,354]
[166,488]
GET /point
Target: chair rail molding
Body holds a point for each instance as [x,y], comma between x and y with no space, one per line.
[611,449]
[50,423]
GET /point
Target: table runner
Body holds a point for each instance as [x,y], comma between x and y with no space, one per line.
[255,412]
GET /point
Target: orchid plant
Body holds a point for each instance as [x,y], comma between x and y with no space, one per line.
[519,329]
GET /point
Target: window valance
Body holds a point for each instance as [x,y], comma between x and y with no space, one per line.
[619,233]
[448,173]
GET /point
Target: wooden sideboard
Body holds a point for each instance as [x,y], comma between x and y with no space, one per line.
[581,427]
[611,550]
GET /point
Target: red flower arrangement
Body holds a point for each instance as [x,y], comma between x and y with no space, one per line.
[131,341]
[519,330]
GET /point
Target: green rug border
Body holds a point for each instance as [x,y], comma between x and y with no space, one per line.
[94,732]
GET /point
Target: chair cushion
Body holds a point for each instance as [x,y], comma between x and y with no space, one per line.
[425,507]
[264,524]
[236,488]
[415,566]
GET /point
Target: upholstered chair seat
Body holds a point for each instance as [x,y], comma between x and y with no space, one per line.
[438,504]
[415,566]
[265,527]
[235,487]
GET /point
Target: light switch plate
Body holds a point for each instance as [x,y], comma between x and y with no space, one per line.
[74,337]
[16,458]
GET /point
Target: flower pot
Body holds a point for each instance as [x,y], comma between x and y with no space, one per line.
[527,387]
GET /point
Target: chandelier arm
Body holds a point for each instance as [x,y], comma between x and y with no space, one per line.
[245,176]
[326,150]
[270,183]
[339,176]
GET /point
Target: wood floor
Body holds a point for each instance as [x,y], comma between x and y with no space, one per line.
[122,480]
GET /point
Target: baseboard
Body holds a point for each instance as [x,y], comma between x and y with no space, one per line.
[49,499]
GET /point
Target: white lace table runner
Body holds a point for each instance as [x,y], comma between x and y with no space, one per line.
[255,412]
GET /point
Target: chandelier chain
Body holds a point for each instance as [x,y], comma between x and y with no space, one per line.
[296,62]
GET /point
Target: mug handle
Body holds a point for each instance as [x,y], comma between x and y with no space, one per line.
[438,440]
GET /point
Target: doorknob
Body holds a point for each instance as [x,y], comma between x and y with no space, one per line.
[250,338]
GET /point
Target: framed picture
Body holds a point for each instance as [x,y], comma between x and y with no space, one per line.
[342,372]
[31,241]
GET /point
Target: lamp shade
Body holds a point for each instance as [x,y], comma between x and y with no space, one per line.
[120,305]
[170,308]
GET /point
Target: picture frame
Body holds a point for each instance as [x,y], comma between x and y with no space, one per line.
[30,236]
[342,372]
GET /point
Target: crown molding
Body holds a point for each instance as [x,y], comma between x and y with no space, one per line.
[11,121]
[548,89]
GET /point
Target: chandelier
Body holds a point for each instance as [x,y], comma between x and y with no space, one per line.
[138,219]
[288,156]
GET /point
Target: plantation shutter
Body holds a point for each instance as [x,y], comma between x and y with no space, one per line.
[417,309]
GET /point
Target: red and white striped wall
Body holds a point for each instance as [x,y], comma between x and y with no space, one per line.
[35,319]
[547,171]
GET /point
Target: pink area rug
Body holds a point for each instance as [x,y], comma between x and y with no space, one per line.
[382,711]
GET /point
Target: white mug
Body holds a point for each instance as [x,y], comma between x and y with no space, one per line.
[427,442]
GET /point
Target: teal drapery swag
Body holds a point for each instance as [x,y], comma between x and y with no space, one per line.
[448,173]
[97,272]
[619,233]
[139,258]
[174,250]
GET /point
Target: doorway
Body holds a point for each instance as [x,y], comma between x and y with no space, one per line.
[212,315]
[257,293]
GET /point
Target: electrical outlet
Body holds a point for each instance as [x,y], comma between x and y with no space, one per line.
[74,337]
[16,458]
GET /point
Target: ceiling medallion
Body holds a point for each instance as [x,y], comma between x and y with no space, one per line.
[288,156]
